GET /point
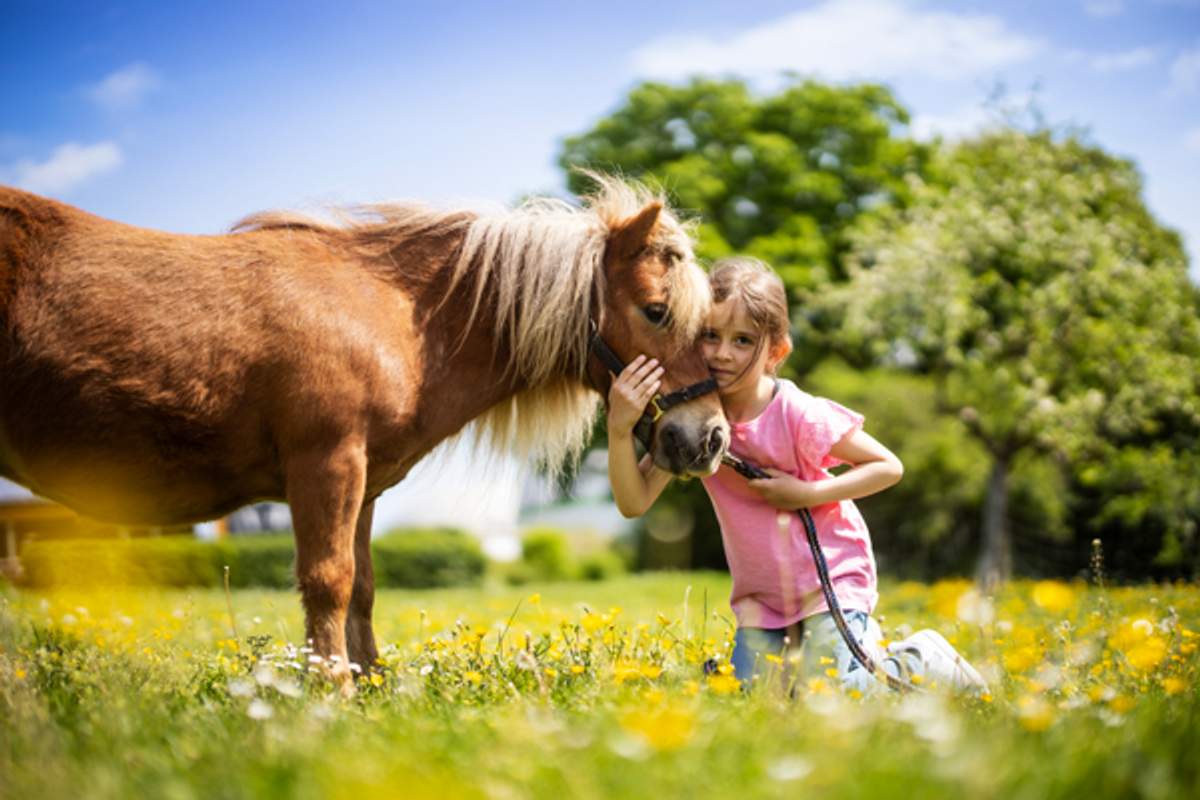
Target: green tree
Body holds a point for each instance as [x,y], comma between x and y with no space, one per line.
[1054,313]
[779,176]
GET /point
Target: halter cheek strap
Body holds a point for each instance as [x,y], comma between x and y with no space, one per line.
[660,403]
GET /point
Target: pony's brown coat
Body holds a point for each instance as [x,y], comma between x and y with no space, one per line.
[153,377]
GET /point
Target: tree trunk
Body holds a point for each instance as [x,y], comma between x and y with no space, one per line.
[995,557]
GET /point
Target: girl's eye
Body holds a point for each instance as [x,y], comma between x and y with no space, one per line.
[708,334]
[745,341]
[656,313]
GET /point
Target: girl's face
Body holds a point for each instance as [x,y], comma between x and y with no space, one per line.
[733,348]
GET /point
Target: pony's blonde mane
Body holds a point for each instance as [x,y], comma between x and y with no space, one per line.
[539,269]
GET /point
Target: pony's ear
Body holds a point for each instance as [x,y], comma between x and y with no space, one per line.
[632,234]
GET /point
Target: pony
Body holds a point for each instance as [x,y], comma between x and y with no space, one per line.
[155,378]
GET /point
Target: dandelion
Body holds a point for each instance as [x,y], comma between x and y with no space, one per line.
[723,684]
[1053,596]
[664,728]
[1173,685]
[789,768]
[260,709]
[1034,713]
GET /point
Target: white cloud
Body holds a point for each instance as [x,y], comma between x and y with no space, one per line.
[69,165]
[848,39]
[1185,72]
[1120,62]
[125,88]
[1103,8]
[952,125]
[1191,140]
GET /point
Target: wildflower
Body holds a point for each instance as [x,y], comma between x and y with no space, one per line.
[376,680]
[1035,713]
[1173,685]
[789,768]
[664,728]
[1053,596]
[535,598]
[260,709]
[723,684]
[578,669]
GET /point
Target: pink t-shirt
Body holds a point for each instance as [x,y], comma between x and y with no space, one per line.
[775,582]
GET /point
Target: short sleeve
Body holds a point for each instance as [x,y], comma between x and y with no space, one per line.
[823,423]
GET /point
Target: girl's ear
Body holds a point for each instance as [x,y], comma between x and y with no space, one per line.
[779,353]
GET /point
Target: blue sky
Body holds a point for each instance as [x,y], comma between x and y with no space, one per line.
[187,116]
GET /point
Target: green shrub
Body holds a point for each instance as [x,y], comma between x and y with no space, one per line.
[601,566]
[414,559]
[268,561]
[426,558]
[166,561]
[547,555]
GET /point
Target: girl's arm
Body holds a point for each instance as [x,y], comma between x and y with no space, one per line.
[635,486]
[875,468]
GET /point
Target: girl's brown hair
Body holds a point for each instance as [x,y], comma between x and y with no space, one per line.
[761,293]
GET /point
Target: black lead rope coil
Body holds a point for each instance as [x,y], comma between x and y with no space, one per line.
[751,472]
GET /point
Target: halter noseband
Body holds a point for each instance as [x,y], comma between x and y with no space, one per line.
[660,403]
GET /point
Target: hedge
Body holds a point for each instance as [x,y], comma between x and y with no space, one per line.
[418,558]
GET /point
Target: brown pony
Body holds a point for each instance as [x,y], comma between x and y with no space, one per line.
[148,377]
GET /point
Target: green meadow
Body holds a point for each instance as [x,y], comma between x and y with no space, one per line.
[590,690]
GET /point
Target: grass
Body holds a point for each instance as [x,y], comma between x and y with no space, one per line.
[590,690]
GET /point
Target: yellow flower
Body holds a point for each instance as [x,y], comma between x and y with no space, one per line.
[1022,658]
[773,659]
[651,671]
[535,598]
[664,728]
[1173,685]
[577,669]
[551,672]
[20,673]
[1053,596]
[944,596]
[832,672]
[1035,713]
[723,684]
[376,679]
[818,686]
[1147,654]
[1121,703]
[474,677]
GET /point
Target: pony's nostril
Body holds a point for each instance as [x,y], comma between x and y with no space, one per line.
[672,437]
[716,441]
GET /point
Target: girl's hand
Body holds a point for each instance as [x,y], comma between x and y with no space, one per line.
[784,491]
[630,392]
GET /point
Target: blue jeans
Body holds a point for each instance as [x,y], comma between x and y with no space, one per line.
[822,653]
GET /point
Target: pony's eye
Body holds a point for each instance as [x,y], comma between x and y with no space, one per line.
[656,313]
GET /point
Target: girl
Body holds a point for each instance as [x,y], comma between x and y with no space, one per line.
[795,437]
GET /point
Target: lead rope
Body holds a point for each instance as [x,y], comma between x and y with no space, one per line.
[751,472]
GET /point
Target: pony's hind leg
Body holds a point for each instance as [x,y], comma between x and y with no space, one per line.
[360,636]
[325,491]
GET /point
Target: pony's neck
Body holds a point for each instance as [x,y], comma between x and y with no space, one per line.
[485,356]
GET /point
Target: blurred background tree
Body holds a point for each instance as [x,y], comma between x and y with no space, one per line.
[1055,315]
[1006,312]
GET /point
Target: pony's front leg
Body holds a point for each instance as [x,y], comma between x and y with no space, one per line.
[325,492]
[360,636]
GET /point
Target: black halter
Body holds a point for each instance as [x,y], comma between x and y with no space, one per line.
[660,403]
